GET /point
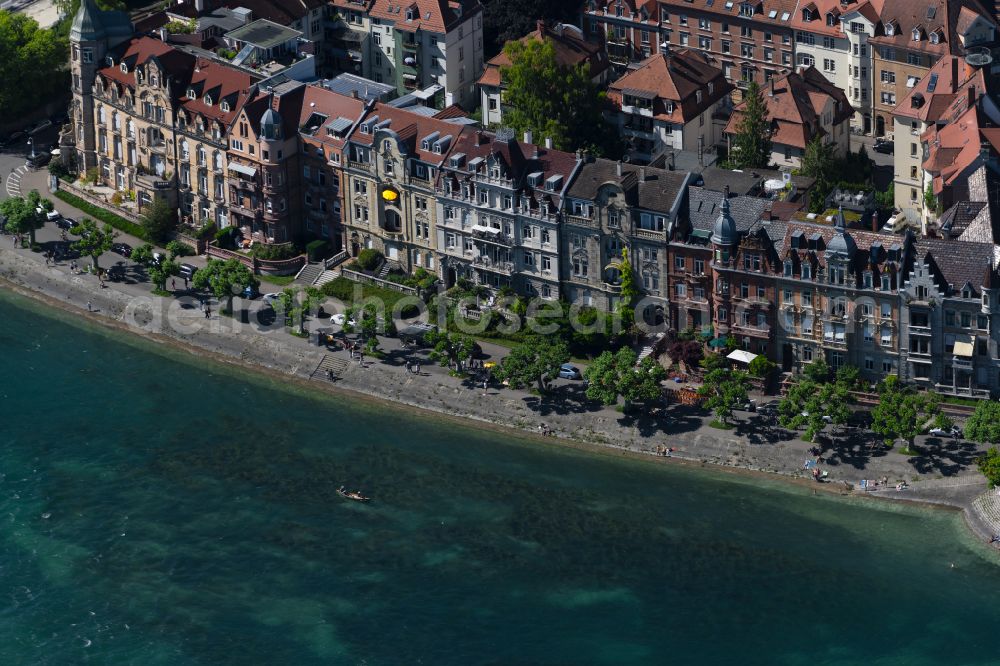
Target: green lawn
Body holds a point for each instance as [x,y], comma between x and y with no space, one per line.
[278,280]
[116,221]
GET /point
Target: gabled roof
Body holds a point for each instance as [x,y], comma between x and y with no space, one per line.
[703,209]
[645,187]
[437,16]
[141,50]
[957,263]
[795,103]
[772,12]
[675,77]
[569,44]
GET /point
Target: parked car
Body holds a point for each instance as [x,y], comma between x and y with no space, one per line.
[569,371]
[339,319]
[270,299]
[952,431]
[251,292]
[159,258]
[187,271]
[124,249]
[826,419]
[884,146]
[66,223]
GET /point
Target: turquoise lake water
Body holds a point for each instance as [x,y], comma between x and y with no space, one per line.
[157,509]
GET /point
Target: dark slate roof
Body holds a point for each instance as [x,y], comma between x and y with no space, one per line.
[703,209]
[738,182]
[657,192]
[957,262]
[956,219]
[776,232]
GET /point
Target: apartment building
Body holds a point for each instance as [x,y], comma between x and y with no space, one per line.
[674,100]
[912,36]
[324,125]
[611,206]
[948,300]
[571,50]
[629,30]
[264,165]
[822,41]
[860,22]
[801,105]
[499,203]
[394,158]
[839,298]
[423,45]
[707,221]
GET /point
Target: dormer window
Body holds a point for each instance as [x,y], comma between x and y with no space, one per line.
[124,68]
[746,9]
[806,271]
[807,15]
[109,61]
[670,107]
[890,29]
[224,105]
[208,100]
[967,292]
[935,37]
[191,94]
[831,20]
[788,268]
[916,34]
[697,96]
[411,14]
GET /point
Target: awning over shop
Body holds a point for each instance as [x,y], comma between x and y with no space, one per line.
[245,170]
[963,348]
[742,356]
[485,230]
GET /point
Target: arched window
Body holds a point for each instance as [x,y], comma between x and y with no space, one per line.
[185,151]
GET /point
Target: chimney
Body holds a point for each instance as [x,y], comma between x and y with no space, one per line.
[527,136]
[875,221]
[954,73]
[354,93]
[618,168]
[548,142]
[479,137]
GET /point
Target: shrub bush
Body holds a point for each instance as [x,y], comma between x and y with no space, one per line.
[226,238]
[119,223]
[317,249]
[340,287]
[369,259]
[274,252]
[179,249]
[760,366]
[206,230]
[116,199]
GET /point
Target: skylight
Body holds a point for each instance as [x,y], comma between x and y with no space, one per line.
[784,16]
[771,14]
[932,83]
[931,11]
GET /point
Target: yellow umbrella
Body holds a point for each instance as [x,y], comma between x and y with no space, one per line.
[489,364]
[389,194]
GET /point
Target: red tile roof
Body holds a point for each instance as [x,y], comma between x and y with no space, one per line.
[795,103]
[763,9]
[950,74]
[675,77]
[430,15]
[570,47]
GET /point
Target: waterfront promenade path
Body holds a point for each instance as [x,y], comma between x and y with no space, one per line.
[945,473]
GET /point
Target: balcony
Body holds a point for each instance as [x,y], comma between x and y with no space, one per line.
[920,330]
[966,391]
[409,44]
[637,111]
[242,207]
[487,263]
[961,363]
[490,235]
[612,288]
[362,166]
[649,234]
[582,221]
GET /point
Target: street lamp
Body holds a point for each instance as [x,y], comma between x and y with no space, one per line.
[31,142]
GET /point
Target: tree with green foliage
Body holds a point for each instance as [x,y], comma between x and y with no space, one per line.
[849,376]
[902,412]
[989,466]
[25,215]
[814,405]
[159,220]
[177,249]
[369,259]
[819,162]
[296,304]
[984,424]
[32,65]
[885,199]
[553,100]
[629,289]
[536,360]
[181,27]
[751,147]
[760,366]
[615,374]
[224,279]
[450,349]
[714,361]
[94,241]
[161,272]
[724,392]
[818,371]
[142,255]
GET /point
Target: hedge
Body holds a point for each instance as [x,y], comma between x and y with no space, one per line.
[119,223]
[316,249]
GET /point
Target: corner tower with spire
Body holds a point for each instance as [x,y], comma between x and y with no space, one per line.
[91,35]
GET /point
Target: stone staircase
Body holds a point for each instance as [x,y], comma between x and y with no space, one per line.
[384,270]
[325,277]
[310,273]
[648,349]
[987,506]
[329,364]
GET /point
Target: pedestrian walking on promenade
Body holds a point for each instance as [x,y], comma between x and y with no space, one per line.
[173,284]
[89,307]
[208,311]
